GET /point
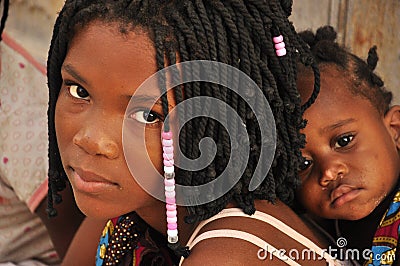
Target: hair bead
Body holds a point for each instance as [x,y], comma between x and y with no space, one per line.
[169,182]
[279,45]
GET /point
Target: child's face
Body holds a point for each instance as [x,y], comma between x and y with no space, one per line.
[101,71]
[351,151]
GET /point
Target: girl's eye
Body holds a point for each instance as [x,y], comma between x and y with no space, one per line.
[306,163]
[78,92]
[343,141]
[146,117]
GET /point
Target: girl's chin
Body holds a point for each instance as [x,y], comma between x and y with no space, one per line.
[96,210]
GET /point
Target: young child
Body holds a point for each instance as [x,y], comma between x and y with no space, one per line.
[101,53]
[351,168]
[25,238]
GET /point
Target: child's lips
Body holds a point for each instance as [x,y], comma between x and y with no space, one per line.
[90,182]
[343,194]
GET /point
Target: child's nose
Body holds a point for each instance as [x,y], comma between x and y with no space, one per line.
[333,171]
[96,141]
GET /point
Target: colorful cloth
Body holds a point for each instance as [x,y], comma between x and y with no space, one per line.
[385,241]
[23,156]
[128,240]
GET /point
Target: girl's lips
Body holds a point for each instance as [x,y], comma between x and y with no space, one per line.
[343,194]
[88,182]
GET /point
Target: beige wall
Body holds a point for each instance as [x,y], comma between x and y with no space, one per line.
[360,24]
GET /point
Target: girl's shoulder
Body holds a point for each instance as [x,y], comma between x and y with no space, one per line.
[273,233]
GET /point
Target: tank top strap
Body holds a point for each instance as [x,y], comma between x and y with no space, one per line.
[236,212]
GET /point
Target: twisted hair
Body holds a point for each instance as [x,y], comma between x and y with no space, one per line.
[234,32]
[360,73]
[4,15]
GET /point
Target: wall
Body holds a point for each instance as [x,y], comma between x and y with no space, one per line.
[360,24]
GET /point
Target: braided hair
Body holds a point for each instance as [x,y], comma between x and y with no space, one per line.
[235,32]
[4,15]
[360,73]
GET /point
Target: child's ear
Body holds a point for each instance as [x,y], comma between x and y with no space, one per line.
[392,120]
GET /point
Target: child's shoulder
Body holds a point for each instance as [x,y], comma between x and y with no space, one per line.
[232,238]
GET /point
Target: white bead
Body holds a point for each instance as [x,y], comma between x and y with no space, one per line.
[172,233]
[169,169]
[170,188]
[170,194]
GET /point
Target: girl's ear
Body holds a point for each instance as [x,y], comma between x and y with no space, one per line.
[392,121]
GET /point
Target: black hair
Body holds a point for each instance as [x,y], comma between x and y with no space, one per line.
[4,15]
[360,73]
[235,32]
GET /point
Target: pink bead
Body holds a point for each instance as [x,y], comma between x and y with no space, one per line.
[169,162]
[167,142]
[172,226]
[279,45]
[170,200]
[166,135]
[278,39]
[281,52]
[168,150]
[170,207]
[169,182]
[171,214]
[171,220]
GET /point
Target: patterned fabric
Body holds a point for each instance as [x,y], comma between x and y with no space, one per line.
[23,156]
[128,241]
[385,242]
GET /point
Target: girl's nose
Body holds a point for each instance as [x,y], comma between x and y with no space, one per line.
[96,141]
[333,171]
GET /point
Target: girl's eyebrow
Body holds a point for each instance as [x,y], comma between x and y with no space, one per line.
[71,70]
[338,124]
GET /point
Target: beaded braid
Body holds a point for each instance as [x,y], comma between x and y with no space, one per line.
[238,33]
[360,73]
[4,15]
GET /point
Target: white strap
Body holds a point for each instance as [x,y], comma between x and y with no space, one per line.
[236,212]
[244,236]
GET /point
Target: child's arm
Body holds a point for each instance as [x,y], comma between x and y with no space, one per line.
[62,228]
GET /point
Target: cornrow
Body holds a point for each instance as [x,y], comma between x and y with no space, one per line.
[366,83]
[234,32]
[4,15]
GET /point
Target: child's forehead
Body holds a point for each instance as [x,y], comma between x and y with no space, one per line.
[335,83]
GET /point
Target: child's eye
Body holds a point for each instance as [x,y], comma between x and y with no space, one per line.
[145,116]
[78,92]
[304,164]
[343,141]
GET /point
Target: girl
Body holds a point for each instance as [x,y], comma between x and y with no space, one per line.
[352,164]
[101,52]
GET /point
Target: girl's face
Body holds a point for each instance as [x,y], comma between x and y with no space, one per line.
[101,71]
[352,151]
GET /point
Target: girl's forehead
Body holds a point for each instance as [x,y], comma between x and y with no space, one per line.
[101,54]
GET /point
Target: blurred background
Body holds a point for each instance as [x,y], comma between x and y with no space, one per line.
[360,25]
